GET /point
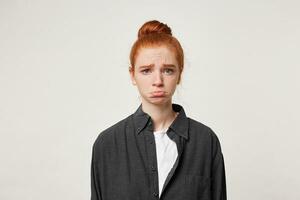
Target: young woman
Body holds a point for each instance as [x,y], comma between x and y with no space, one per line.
[157,152]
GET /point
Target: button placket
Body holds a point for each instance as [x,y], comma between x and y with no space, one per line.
[151,150]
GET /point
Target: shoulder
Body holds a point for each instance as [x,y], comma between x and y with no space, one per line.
[200,130]
[199,127]
[108,134]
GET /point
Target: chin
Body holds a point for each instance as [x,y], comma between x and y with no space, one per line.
[158,101]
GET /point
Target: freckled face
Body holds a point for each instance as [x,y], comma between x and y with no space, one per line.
[156,73]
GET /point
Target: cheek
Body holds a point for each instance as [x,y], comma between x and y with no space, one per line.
[172,79]
[172,83]
[142,81]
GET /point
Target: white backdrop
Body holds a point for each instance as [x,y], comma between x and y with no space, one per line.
[64,67]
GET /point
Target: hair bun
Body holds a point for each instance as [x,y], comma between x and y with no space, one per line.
[153,27]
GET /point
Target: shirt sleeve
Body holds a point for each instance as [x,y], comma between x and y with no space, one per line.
[95,183]
[218,187]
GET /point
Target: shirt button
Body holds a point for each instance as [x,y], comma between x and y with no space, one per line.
[153,168]
[151,141]
[155,194]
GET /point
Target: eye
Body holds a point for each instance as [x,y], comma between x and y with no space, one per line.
[169,71]
[145,71]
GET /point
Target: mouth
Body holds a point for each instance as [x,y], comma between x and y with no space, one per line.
[158,94]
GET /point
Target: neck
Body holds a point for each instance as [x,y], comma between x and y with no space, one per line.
[162,115]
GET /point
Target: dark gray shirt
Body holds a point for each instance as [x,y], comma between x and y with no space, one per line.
[124,164]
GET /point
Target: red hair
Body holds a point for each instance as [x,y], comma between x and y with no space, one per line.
[152,34]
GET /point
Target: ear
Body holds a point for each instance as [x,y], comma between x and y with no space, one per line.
[131,72]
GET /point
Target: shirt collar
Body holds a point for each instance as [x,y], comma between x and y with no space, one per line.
[179,125]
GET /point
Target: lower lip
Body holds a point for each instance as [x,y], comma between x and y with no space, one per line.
[158,94]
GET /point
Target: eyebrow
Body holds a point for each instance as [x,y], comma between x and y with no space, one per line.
[152,65]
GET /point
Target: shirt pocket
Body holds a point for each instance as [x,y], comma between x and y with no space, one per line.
[197,187]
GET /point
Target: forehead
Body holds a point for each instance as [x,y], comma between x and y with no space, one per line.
[154,54]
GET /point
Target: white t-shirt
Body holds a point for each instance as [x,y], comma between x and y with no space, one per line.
[166,153]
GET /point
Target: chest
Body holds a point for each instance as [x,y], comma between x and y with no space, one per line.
[131,169]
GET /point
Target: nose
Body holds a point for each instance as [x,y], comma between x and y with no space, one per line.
[158,79]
